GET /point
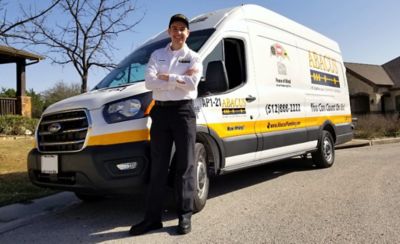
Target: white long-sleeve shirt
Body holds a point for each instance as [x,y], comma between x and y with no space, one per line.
[175,63]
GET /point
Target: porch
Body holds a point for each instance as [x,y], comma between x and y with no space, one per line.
[21,104]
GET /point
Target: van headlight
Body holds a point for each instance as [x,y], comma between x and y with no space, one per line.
[123,110]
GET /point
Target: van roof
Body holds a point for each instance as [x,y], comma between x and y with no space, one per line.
[255,13]
[258,14]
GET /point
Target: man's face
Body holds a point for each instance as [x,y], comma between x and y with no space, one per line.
[178,33]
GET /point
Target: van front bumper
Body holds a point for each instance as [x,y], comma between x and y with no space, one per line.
[94,169]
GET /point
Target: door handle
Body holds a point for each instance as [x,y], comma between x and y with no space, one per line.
[250,99]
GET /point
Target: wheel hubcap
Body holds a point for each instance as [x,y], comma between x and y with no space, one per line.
[327,150]
[201,178]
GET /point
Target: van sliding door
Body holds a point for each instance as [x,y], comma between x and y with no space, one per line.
[281,125]
[230,114]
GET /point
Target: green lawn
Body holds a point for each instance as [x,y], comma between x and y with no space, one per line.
[14,181]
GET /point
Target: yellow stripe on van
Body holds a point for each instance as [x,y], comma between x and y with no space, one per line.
[317,121]
[231,129]
[264,126]
[225,130]
[120,137]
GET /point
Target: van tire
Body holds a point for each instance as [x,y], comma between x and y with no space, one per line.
[202,180]
[324,157]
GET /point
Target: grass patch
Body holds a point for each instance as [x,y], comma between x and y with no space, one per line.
[15,185]
[377,126]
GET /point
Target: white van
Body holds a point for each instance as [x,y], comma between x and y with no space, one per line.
[271,89]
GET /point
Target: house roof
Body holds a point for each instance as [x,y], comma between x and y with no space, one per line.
[11,55]
[374,74]
[393,69]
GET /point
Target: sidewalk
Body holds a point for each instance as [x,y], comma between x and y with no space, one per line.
[19,214]
[16,215]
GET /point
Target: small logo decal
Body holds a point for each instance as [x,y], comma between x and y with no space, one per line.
[54,128]
[184,61]
[279,51]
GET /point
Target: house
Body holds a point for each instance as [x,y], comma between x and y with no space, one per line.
[21,104]
[374,88]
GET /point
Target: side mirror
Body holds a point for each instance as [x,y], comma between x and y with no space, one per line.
[216,78]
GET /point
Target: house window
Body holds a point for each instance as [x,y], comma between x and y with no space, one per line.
[359,104]
[398,103]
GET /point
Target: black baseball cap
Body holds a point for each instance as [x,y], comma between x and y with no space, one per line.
[179,17]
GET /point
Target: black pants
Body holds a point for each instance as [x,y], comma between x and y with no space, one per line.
[176,123]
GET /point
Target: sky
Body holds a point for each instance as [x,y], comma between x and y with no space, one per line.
[367,32]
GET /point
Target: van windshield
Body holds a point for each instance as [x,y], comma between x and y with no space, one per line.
[132,69]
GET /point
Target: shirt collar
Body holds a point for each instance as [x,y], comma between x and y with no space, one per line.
[180,51]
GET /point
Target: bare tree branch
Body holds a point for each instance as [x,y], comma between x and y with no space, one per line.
[5,28]
[85,36]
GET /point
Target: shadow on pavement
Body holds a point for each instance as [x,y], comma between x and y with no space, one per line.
[248,177]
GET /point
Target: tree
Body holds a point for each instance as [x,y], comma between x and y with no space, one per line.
[58,92]
[8,28]
[84,37]
[8,92]
[37,103]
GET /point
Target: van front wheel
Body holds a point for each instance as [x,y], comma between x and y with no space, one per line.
[324,157]
[202,182]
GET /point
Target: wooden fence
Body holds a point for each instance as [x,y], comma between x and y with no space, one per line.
[8,106]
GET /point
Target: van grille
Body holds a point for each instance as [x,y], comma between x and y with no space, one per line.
[63,132]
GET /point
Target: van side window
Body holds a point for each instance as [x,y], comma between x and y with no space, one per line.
[231,52]
[234,62]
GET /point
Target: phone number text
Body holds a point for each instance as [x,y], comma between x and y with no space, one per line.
[282,108]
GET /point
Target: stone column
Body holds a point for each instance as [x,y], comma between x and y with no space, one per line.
[24,106]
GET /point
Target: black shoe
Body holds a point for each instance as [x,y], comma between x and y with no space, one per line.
[144,227]
[184,226]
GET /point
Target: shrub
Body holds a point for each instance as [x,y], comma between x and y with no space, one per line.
[375,126]
[17,125]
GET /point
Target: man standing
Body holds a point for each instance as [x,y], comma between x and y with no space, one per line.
[173,74]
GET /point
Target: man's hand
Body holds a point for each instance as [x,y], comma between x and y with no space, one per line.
[191,72]
[188,72]
[164,77]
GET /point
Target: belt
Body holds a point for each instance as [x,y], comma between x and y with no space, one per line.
[173,103]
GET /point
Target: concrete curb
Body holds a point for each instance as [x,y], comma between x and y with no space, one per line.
[354,143]
[385,141]
[362,143]
[17,215]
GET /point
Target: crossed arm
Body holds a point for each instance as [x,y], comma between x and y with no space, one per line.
[167,81]
[165,76]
